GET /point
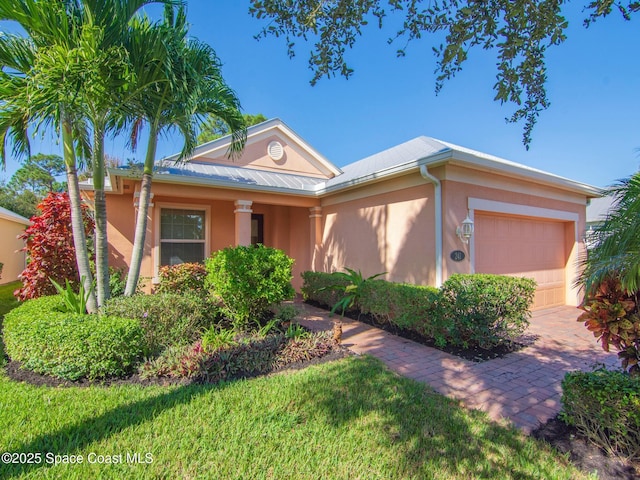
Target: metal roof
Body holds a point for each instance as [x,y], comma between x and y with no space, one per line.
[13,216]
[399,159]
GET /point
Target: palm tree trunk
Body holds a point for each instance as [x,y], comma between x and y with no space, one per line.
[77,222]
[102,250]
[143,212]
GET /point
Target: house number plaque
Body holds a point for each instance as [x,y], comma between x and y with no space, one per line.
[457,255]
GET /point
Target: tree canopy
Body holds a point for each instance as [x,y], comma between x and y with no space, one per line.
[214,127]
[519,31]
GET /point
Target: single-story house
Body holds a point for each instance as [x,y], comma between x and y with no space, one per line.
[11,255]
[420,211]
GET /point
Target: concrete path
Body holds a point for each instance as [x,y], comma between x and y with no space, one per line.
[523,386]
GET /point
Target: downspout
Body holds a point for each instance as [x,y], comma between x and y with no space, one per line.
[438,211]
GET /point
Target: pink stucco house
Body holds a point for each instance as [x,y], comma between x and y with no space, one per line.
[398,211]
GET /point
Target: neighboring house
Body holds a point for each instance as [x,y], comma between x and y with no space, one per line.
[597,211]
[397,211]
[11,254]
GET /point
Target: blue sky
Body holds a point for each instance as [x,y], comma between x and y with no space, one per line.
[590,133]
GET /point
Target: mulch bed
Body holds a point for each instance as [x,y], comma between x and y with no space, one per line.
[473,354]
[16,372]
[584,454]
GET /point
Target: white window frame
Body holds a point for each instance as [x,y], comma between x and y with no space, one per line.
[156,230]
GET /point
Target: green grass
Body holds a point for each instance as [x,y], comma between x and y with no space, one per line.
[348,419]
[7,302]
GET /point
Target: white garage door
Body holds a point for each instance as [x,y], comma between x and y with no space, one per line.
[525,247]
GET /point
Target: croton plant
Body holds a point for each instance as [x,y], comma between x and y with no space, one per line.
[613,315]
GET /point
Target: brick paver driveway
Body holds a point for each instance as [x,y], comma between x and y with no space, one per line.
[523,386]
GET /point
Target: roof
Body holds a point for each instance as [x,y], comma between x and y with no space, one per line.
[9,215]
[397,160]
[598,209]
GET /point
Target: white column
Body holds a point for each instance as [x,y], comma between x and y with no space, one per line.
[243,221]
[315,237]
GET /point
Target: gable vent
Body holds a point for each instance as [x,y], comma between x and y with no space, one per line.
[275,151]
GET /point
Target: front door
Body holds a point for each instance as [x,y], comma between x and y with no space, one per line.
[257,228]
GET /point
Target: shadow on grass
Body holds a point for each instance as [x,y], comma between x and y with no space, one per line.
[426,432]
[72,439]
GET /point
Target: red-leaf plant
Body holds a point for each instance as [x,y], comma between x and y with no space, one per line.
[49,247]
[614,318]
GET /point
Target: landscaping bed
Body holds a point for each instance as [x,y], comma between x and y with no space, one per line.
[473,354]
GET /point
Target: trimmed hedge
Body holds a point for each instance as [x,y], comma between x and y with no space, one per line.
[315,287]
[71,346]
[485,310]
[249,280]
[605,407]
[166,318]
[400,304]
[468,311]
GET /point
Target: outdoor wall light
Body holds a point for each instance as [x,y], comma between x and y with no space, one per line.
[465,231]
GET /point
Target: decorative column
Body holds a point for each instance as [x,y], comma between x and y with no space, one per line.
[243,222]
[315,237]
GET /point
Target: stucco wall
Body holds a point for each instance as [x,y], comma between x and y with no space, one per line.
[13,259]
[254,155]
[387,227]
[285,227]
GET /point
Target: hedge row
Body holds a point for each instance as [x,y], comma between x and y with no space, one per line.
[605,407]
[469,310]
[69,345]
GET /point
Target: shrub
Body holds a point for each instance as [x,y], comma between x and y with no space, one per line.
[316,287]
[1,267]
[605,407]
[484,310]
[351,292]
[187,278]
[247,356]
[166,318]
[403,305]
[49,247]
[614,318]
[70,345]
[249,280]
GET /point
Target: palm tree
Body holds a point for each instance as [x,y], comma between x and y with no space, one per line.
[38,86]
[615,250]
[183,83]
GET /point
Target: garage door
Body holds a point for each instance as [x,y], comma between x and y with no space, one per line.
[525,247]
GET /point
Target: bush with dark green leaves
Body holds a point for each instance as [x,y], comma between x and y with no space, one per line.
[166,318]
[605,407]
[484,310]
[405,306]
[317,287]
[248,280]
[47,340]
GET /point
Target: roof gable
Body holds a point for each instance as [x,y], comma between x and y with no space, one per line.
[296,157]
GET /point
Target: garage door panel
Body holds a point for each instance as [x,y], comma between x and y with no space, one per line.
[518,246]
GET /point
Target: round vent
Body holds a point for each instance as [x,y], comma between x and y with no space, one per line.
[275,151]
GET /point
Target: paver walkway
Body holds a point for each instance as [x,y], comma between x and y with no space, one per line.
[523,386]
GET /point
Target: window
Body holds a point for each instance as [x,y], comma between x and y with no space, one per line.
[182,236]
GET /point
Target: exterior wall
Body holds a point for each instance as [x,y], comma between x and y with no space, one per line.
[526,198]
[386,227]
[285,227]
[13,259]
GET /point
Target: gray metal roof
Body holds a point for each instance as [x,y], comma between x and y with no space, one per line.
[404,153]
[598,209]
[226,175]
[396,160]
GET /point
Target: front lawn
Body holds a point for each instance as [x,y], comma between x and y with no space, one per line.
[7,303]
[347,419]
